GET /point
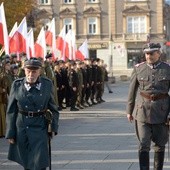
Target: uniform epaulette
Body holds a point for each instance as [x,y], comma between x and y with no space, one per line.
[137,65]
[166,63]
[19,79]
[45,78]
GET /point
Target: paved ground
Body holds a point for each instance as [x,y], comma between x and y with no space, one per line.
[95,138]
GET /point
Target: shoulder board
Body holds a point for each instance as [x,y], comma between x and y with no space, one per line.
[166,63]
[19,79]
[137,65]
[45,78]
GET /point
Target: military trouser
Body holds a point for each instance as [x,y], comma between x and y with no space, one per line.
[93,92]
[73,98]
[99,92]
[87,93]
[157,133]
[40,169]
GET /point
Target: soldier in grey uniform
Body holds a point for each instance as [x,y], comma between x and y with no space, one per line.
[26,131]
[149,100]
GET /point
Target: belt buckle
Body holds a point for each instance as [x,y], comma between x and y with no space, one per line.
[152,97]
[30,114]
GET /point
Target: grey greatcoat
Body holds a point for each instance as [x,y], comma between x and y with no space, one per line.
[154,81]
[30,133]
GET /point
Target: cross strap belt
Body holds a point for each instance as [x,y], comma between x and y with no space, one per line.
[154,97]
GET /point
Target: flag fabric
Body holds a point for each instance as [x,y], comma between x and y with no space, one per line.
[83,51]
[14,29]
[22,36]
[167,43]
[30,41]
[60,42]
[4,41]
[40,45]
[73,44]
[70,45]
[13,40]
[18,40]
[50,37]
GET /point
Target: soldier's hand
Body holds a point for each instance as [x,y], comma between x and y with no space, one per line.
[130,118]
[74,88]
[168,120]
[11,141]
[51,134]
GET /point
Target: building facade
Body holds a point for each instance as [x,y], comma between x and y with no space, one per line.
[116,30]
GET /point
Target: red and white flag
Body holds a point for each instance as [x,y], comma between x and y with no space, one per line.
[40,45]
[83,51]
[19,38]
[3,30]
[14,29]
[60,42]
[30,41]
[50,37]
[13,40]
[22,36]
[70,46]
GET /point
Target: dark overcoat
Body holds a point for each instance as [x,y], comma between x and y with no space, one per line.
[30,133]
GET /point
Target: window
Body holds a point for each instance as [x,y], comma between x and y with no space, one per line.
[68,1]
[92,25]
[91,1]
[136,24]
[137,0]
[44,1]
[68,24]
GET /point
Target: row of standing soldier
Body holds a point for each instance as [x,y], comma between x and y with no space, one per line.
[77,84]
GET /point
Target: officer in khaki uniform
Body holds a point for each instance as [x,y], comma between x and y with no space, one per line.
[149,100]
[29,99]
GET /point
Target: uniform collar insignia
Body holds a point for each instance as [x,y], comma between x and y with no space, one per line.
[29,86]
[155,65]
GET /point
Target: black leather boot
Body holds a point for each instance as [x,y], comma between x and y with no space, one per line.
[144,160]
[158,160]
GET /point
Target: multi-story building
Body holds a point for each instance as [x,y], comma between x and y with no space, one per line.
[116,30]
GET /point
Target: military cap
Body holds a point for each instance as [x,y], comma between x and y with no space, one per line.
[5,61]
[151,47]
[6,56]
[48,55]
[61,61]
[32,64]
[13,55]
[72,62]
[97,59]
[22,54]
[14,66]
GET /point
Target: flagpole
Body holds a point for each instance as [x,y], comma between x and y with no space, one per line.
[2,50]
[110,45]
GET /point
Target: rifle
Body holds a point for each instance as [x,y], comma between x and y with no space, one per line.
[49,117]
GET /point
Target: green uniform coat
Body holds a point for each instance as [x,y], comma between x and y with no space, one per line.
[30,133]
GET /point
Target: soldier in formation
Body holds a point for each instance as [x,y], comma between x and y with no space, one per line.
[77,84]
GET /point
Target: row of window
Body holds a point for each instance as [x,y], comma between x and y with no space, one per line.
[135,24]
[92,25]
[72,1]
[65,1]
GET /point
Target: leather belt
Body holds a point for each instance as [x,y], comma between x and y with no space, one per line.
[31,113]
[154,97]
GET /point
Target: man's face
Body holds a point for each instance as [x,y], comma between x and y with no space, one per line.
[152,57]
[32,75]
